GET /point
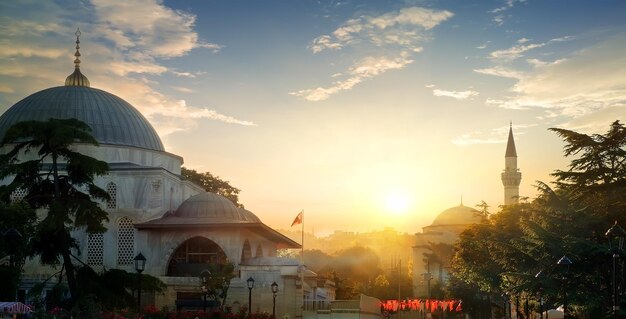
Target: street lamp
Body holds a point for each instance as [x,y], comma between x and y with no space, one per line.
[204,276]
[564,261]
[615,235]
[539,277]
[274,291]
[140,265]
[250,283]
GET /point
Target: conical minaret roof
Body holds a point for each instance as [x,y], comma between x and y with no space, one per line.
[510,144]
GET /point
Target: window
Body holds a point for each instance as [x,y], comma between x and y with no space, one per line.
[112,190]
[125,241]
[259,251]
[246,252]
[18,195]
[95,249]
[193,255]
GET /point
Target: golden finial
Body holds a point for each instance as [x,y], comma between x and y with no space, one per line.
[77,54]
[77,78]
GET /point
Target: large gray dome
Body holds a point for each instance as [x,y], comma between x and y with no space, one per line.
[113,121]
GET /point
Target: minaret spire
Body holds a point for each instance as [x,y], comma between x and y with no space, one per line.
[511,176]
[77,78]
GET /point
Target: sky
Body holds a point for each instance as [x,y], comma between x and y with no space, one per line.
[364,114]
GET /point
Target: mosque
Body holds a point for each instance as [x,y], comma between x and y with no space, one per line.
[430,256]
[177,226]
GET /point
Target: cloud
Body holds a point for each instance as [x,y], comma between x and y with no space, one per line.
[182,89]
[516,51]
[123,45]
[399,34]
[459,95]
[499,16]
[583,85]
[366,68]
[497,135]
[404,28]
[500,71]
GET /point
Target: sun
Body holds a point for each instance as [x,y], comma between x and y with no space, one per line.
[397,202]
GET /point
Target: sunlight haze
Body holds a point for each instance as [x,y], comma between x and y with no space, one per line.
[364,114]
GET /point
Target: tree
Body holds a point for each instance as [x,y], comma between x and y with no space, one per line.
[504,254]
[21,218]
[215,282]
[212,184]
[54,176]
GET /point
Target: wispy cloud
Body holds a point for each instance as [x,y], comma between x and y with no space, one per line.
[499,11]
[517,51]
[500,71]
[399,33]
[366,68]
[459,95]
[496,135]
[123,43]
[583,85]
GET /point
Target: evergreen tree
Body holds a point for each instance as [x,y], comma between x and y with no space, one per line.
[59,179]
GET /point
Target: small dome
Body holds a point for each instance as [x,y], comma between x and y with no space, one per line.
[216,207]
[459,215]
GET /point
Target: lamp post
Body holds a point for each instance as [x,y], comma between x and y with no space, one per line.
[564,261]
[615,235]
[250,283]
[539,277]
[140,265]
[204,276]
[274,291]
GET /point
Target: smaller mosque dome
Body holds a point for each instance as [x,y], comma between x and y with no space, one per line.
[459,215]
[215,207]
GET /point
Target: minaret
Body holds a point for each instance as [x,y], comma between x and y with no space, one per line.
[511,176]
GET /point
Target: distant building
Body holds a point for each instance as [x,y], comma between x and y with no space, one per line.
[431,267]
[175,224]
[430,256]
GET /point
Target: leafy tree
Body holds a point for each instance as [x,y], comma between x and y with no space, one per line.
[59,179]
[21,218]
[504,254]
[212,184]
[215,282]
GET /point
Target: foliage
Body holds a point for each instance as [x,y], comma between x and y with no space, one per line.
[212,184]
[148,312]
[215,281]
[20,217]
[58,178]
[504,255]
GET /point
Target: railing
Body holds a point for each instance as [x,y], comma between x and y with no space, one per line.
[310,304]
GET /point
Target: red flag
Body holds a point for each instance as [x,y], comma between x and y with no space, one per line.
[298,219]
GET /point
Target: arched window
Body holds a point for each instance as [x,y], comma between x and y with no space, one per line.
[259,251]
[112,191]
[246,253]
[95,249]
[125,241]
[192,256]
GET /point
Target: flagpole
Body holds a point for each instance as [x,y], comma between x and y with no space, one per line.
[302,264]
